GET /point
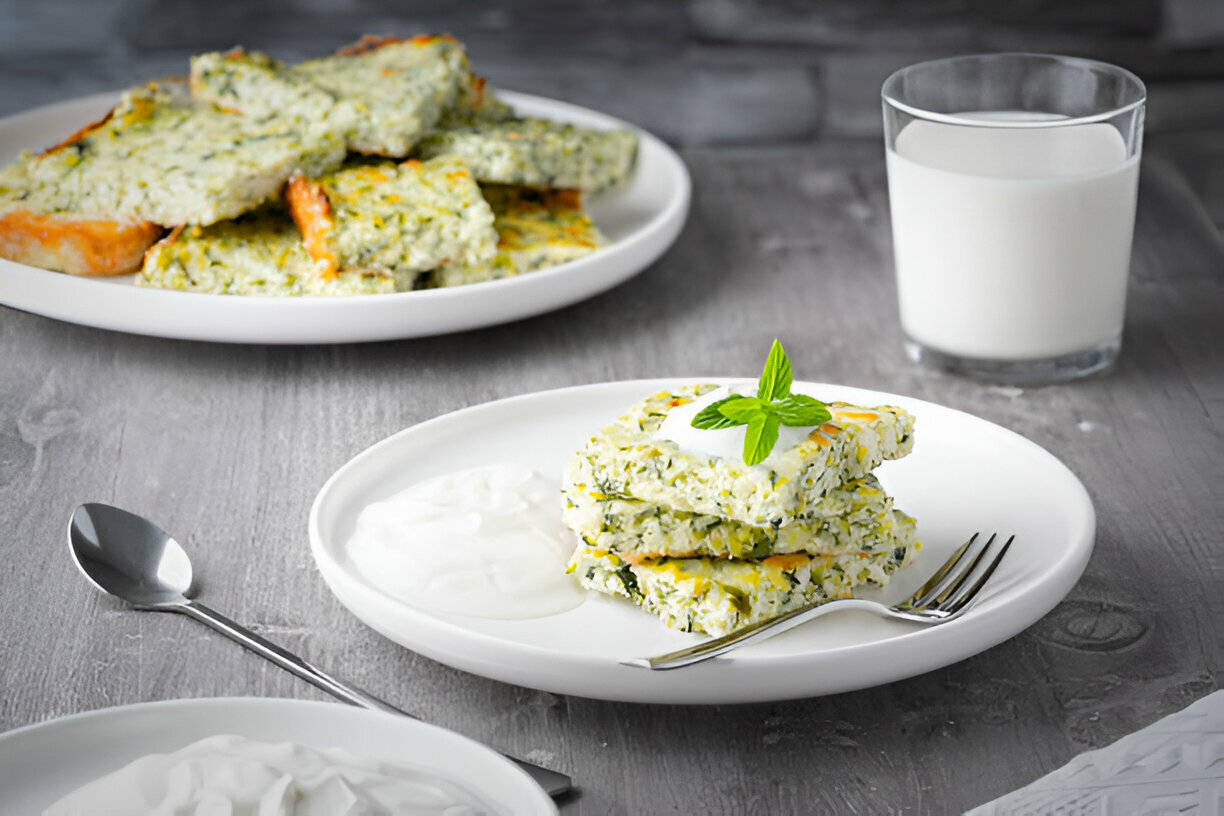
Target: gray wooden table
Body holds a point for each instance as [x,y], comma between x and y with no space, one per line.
[227,446]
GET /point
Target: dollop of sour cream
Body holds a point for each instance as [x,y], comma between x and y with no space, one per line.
[725,443]
[238,776]
[486,542]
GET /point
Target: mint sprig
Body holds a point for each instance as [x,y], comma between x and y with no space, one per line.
[773,406]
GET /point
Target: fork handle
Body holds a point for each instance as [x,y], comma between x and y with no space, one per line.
[749,634]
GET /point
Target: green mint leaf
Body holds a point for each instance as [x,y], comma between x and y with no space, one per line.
[804,399]
[798,410]
[776,377]
[742,410]
[773,406]
[710,417]
[761,436]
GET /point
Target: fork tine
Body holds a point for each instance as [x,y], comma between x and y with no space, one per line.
[953,574]
[954,583]
[926,589]
[961,598]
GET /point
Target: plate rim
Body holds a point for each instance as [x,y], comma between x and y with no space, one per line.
[526,790]
[539,292]
[1071,567]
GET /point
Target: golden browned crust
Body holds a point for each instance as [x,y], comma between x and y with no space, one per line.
[76,244]
[373,42]
[311,211]
[80,134]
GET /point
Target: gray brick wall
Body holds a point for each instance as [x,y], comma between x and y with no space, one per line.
[702,72]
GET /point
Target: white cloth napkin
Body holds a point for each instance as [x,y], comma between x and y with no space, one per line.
[1174,766]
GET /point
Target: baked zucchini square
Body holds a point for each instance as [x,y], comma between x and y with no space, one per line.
[378,96]
[720,595]
[162,157]
[400,218]
[259,253]
[536,229]
[254,84]
[537,153]
[399,88]
[849,519]
[628,459]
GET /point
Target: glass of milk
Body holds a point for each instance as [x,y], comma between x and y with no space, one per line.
[1012,181]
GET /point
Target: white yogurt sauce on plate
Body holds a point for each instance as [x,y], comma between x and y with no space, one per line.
[236,776]
[725,443]
[486,542]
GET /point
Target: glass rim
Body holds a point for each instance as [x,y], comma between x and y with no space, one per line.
[1012,124]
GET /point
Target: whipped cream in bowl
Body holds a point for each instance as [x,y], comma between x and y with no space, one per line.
[238,776]
[302,752]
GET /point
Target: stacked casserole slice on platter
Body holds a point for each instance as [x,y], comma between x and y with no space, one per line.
[710,544]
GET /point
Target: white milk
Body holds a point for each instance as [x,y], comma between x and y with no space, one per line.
[1012,244]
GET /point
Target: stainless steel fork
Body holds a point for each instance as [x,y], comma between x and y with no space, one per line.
[947,594]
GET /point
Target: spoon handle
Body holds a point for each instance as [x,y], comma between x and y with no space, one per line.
[286,659]
[554,783]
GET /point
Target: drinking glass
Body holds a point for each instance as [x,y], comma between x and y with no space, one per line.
[1012,181]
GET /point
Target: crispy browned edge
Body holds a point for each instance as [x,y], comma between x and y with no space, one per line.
[311,211]
[76,244]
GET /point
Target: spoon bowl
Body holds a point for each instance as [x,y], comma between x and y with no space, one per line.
[128,556]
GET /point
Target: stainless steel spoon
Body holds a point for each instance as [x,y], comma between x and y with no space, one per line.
[128,556]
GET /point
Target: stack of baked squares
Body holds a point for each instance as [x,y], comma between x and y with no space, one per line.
[710,544]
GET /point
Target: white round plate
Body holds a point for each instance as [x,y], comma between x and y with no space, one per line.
[641,219]
[41,763]
[965,475]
